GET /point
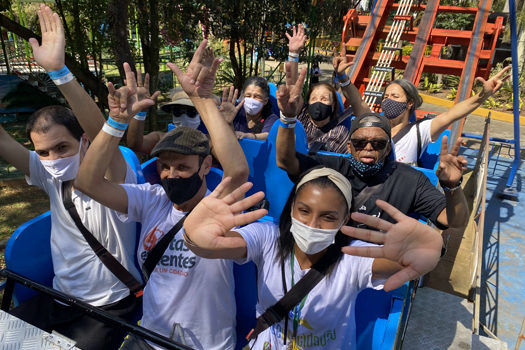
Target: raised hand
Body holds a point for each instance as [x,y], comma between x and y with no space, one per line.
[491,86]
[451,166]
[408,242]
[227,108]
[297,40]
[210,221]
[123,103]
[143,92]
[49,55]
[340,61]
[289,96]
[199,78]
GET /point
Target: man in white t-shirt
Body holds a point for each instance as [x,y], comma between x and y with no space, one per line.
[177,299]
[60,145]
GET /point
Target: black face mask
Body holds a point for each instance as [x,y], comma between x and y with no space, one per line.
[180,190]
[319,111]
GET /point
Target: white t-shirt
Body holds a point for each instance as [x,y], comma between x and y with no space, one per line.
[78,271]
[327,319]
[406,146]
[187,298]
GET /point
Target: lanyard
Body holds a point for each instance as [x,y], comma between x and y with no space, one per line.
[298,308]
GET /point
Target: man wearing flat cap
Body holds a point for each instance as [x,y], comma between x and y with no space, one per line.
[177,302]
[374,175]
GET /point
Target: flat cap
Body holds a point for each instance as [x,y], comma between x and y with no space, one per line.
[183,140]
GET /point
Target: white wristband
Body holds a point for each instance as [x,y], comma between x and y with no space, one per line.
[291,54]
[64,80]
[140,116]
[287,120]
[108,129]
[345,83]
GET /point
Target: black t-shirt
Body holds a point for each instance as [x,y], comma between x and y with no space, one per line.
[407,189]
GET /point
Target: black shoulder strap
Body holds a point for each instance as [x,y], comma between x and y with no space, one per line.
[279,310]
[155,254]
[418,144]
[107,259]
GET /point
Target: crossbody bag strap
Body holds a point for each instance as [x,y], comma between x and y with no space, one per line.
[418,144]
[105,257]
[279,310]
[156,253]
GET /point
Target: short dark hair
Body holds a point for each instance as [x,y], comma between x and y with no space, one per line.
[336,111]
[263,84]
[286,240]
[42,120]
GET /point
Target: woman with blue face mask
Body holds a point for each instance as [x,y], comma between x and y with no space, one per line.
[311,230]
[255,120]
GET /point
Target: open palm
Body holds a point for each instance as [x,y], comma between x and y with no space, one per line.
[50,54]
[210,221]
[199,79]
[228,109]
[408,242]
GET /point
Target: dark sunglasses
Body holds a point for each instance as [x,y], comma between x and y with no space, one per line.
[377,145]
[178,111]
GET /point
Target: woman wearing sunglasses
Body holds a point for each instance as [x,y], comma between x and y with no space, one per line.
[311,230]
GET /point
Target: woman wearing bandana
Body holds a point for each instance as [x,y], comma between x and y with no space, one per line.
[311,228]
[255,120]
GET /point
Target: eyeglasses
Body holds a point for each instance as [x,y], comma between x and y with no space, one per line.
[180,110]
[377,145]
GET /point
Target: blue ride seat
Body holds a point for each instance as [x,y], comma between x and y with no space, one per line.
[29,246]
[429,159]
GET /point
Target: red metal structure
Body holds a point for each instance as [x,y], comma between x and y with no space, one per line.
[363,34]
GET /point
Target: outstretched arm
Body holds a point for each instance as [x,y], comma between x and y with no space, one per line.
[465,107]
[450,172]
[341,64]
[409,248]
[198,82]
[208,227]
[50,55]
[123,105]
[135,138]
[290,102]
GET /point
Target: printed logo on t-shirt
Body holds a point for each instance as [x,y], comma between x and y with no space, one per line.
[177,258]
[303,340]
[152,238]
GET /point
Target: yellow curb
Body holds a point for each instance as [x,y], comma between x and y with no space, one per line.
[483,112]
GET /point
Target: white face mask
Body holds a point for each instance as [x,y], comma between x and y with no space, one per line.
[252,106]
[185,120]
[312,240]
[64,169]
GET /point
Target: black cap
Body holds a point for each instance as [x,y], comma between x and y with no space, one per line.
[183,140]
[371,119]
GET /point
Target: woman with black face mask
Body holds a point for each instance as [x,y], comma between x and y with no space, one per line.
[321,120]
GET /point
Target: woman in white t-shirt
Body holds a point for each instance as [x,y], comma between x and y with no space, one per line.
[400,101]
[311,230]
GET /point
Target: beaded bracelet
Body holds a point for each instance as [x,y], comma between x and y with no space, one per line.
[140,116]
[112,131]
[117,125]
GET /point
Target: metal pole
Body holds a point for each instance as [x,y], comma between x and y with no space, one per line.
[516,94]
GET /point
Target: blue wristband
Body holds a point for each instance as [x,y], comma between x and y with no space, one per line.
[341,77]
[59,73]
[117,125]
[287,125]
[141,114]
[293,59]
